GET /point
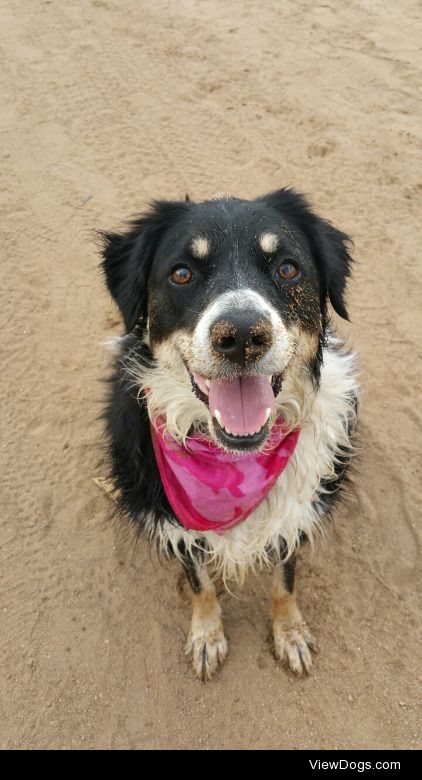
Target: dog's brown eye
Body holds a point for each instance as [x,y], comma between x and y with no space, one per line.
[181,275]
[288,271]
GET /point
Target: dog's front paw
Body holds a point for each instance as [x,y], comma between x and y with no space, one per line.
[208,649]
[293,645]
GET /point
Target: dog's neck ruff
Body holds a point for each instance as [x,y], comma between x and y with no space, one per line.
[212,490]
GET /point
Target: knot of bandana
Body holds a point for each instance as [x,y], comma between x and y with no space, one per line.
[213,490]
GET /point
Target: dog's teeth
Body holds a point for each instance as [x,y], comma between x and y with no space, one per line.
[267,414]
[208,383]
[217,415]
[227,431]
[270,378]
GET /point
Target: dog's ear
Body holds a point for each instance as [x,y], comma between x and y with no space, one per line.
[329,246]
[127,259]
[331,249]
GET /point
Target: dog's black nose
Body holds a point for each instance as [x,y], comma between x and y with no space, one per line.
[242,337]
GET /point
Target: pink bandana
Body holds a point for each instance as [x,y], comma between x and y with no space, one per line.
[212,490]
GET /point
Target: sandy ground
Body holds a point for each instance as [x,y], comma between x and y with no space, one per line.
[104,105]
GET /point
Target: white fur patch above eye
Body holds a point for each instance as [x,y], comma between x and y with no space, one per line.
[268,242]
[200,247]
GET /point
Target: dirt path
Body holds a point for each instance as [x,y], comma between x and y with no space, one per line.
[104,105]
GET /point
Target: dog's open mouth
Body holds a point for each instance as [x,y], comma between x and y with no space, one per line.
[241,407]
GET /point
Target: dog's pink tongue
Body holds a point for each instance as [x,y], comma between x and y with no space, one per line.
[243,402]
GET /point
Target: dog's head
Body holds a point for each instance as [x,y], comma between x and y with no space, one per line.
[231,297]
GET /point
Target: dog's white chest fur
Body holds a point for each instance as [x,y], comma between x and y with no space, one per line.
[291,507]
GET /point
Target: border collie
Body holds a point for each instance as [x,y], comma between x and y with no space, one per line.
[233,406]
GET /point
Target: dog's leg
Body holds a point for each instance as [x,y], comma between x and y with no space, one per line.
[206,641]
[293,641]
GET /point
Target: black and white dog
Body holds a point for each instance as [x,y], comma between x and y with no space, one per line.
[233,406]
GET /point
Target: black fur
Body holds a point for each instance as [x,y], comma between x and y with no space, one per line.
[289,568]
[133,467]
[128,258]
[329,246]
[330,250]
[330,489]
[190,566]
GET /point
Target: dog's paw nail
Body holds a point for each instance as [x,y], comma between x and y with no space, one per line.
[208,653]
[293,647]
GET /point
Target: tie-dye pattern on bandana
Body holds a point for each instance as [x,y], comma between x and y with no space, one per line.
[212,490]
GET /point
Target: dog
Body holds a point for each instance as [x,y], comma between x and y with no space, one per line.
[233,405]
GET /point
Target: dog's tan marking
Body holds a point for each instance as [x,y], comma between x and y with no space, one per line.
[293,641]
[200,247]
[268,242]
[206,641]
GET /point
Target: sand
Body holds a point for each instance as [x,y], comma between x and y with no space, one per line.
[105,105]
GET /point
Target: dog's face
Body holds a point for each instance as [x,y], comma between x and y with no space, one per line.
[238,291]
